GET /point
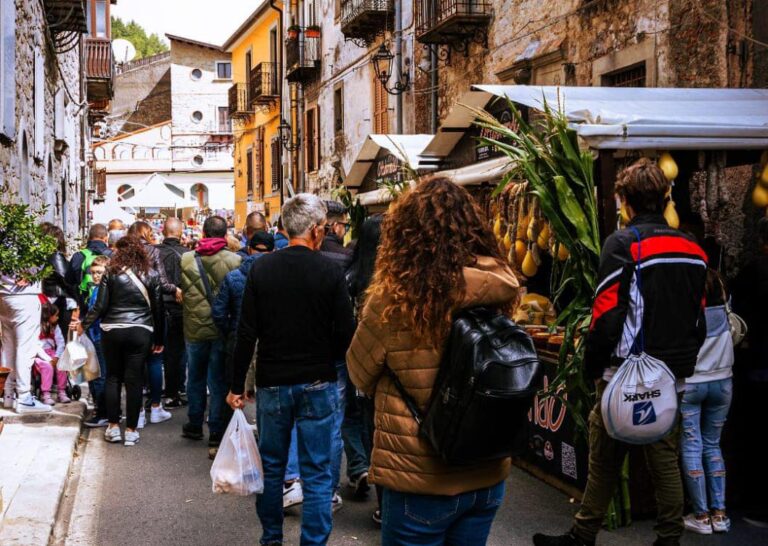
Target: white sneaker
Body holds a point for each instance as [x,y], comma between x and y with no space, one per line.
[292,494]
[159,414]
[702,527]
[113,435]
[721,524]
[131,438]
[336,503]
[142,418]
[30,404]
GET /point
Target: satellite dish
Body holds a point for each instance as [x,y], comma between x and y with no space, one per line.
[123,50]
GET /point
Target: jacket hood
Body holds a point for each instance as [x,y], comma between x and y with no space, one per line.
[210,246]
[97,247]
[489,283]
[245,265]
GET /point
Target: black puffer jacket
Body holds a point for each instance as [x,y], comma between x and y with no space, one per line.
[55,284]
[121,302]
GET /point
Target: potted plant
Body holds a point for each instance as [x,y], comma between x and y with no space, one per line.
[312,31]
[293,32]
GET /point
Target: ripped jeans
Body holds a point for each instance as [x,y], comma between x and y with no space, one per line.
[705,408]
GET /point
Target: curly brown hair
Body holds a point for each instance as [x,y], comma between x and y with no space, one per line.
[428,236]
[129,254]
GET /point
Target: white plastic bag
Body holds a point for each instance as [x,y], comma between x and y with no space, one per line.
[639,404]
[91,369]
[74,357]
[237,466]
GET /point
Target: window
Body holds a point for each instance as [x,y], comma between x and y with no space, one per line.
[338,109]
[259,164]
[249,173]
[631,76]
[198,160]
[197,116]
[196,74]
[277,165]
[39,98]
[312,139]
[225,124]
[8,68]
[224,70]
[380,107]
[97,18]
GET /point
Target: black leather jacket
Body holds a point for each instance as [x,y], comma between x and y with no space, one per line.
[55,284]
[156,265]
[121,302]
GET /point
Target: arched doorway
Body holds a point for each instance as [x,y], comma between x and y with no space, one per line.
[200,194]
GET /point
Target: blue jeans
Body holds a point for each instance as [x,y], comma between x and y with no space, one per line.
[705,408]
[311,408]
[292,470]
[96,387]
[155,373]
[409,519]
[206,368]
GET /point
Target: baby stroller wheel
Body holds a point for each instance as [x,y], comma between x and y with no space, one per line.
[74,392]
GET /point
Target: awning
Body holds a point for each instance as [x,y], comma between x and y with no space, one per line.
[489,171]
[156,193]
[109,210]
[406,148]
[632,118]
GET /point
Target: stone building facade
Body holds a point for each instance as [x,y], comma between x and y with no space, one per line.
[44,129]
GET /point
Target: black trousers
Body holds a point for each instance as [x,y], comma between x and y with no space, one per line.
[174,354]
[126,351]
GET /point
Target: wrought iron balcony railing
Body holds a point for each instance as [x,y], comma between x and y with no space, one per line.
[264,87]
[238,100]
[302,58]
[449,21]
[364,19]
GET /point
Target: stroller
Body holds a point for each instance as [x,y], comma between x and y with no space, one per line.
[72,390]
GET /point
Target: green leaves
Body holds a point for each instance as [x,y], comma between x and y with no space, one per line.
[24,250]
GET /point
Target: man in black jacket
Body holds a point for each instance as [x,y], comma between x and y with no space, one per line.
[666,301]
[81,262]
[170,251]
[335,230]
[297,307]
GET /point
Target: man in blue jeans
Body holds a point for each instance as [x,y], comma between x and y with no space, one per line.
[297,307]
[202,272]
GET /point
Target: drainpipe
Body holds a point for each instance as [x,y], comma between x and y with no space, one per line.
[280,78]
[433,84]
[398,70]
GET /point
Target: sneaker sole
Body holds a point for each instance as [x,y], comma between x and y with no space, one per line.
[698,530]
[115,440]
[130,444]
[156,421]
[94,425]
[288,504]
[32,410]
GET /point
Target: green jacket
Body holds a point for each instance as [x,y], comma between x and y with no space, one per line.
[198,324]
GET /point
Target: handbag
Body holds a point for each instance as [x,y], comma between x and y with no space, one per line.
[736,324]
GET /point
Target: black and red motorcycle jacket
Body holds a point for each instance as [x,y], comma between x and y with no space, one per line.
[667,299]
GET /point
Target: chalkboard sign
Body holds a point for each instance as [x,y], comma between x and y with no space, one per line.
[501,111]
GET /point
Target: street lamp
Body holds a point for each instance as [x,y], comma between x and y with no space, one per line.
[286,136]
[382,65]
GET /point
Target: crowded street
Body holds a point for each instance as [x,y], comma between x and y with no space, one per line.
[383,272]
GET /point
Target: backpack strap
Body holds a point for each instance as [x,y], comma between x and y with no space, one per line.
[85,276]
[407,398]
[205,279]
[638,346]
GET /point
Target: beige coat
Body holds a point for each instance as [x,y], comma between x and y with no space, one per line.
[402,460]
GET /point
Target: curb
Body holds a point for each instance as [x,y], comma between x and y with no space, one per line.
[38,451]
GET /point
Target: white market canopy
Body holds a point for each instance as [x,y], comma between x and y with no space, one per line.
[155,193]
[109,210]
[632,118]
[406,148]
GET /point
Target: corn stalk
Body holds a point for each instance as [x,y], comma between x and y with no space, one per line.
[356,211]
[560,175]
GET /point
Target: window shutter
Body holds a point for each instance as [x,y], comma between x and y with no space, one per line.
[39,97]
[307,141]
[277,166]
[8,68]
[317,137]
[249,172]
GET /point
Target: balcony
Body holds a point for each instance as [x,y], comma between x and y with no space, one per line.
[451,21]
[362,20]
[238,100]
[99,68]
[302,58]
[264,87]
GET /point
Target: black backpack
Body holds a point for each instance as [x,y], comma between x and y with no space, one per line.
[488,377]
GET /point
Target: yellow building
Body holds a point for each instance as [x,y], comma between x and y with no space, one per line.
[254,106]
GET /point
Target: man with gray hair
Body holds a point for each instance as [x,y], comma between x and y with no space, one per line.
[297,307]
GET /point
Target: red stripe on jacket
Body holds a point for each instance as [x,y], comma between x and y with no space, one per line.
[667,244]
[604,302]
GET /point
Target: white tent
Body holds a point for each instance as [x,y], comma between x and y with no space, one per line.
[156,194]
[110,210]
[406,148]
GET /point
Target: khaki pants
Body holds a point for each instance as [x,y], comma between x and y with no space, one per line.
[606,456]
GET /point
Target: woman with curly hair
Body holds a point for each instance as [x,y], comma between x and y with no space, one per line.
[437,256]
[130,307]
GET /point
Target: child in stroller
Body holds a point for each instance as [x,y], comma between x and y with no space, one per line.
[48,354]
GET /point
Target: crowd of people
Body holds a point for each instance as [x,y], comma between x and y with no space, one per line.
[317,332]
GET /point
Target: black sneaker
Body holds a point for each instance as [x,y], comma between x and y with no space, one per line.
[568,539]
[173,403]
[359,484]
[193,432]
[214,439]
[94,421]
[376,517]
